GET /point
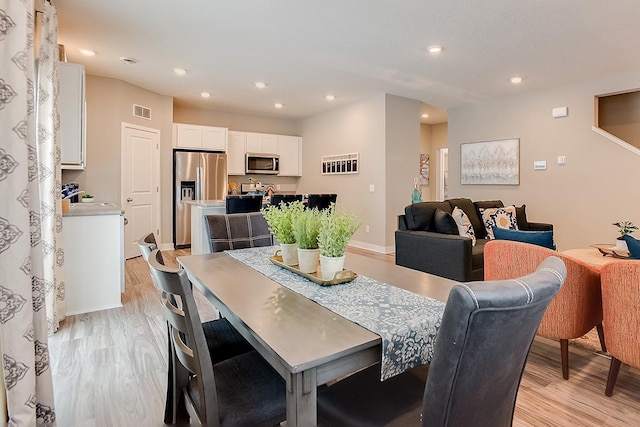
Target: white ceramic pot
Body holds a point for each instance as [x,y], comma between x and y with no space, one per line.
[329,266]
[87,200]
[622,245]
[289,253]
[308,260]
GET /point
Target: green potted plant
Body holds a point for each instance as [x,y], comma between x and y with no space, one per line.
[336,229]
[279,219]
[87,198]
[624,228]
[306,227]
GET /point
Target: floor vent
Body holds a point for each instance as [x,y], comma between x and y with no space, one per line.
[142,112]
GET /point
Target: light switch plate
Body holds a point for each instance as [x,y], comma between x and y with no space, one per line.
[540,165]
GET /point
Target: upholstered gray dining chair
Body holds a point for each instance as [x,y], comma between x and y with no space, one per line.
[222,339]
[321,201]
[480,352]
[243,204]
[237,231]
[239,391]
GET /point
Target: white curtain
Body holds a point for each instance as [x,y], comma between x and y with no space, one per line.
[25,217]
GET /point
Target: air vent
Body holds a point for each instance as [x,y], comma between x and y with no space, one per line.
[142,112]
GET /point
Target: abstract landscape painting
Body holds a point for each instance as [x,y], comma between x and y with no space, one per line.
[490,162]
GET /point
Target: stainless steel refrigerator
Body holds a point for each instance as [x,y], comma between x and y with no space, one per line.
[197,175]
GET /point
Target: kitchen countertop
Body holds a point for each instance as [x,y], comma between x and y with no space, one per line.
[94,208]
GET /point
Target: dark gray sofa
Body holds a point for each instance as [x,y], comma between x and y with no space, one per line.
[420,247]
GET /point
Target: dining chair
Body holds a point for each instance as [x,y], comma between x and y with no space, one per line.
[576,309]
[479,356]
[276,199]
[243,390]
[621,316]
[237,231]
[243,204]
[222,339]
[321,201]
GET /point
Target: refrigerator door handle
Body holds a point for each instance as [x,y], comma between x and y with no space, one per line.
[198,184]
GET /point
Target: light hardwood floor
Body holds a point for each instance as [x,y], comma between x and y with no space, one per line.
[109,369]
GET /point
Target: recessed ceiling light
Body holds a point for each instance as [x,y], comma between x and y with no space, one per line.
[425,116]
[87,52]
[260,85]
[278,105]
[180,71]
[205,94]
[516,80]
[330,97]
[434,49]
[128,61]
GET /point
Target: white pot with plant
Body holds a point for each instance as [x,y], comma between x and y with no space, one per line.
[306,227]
[87,198]
[624,228]
[279,219]
[336,229]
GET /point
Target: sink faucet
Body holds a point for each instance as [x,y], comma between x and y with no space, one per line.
[75,193]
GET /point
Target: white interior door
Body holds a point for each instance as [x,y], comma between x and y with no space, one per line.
[442,174]
[140,185]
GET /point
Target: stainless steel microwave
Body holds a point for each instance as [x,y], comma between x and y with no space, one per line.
[263,163]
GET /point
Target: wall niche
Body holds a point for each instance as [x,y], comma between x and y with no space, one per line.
[617,117]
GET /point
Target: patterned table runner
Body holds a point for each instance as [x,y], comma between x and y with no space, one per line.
[406,322]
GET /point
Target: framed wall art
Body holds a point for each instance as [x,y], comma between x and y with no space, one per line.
[424,169]
[490,162]
[339,164]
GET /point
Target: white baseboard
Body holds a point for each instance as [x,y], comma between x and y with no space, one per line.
[373,248]
[165,246]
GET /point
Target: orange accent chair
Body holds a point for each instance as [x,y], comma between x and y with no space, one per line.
[620,302]
[573,312]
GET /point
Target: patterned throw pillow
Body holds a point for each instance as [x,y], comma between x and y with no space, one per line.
[499,217]
[465,229]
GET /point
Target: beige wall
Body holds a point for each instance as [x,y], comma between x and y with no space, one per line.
[355,128]
[109,104]
[402,159]
[596,187]
[432,139]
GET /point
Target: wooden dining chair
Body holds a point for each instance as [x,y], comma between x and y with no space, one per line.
[621,316]
[237,231]
[321,201]
[243,390]
[243,204]
[222,339]
[479,357]
[575,311]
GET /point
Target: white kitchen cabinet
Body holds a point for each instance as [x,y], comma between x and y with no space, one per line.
[290,151]
[71,108]
[94,258]
[198,137]
[261,143]
[236,153]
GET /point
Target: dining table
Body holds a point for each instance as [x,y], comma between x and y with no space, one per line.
[308,344]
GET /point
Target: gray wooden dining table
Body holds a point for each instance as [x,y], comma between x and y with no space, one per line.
[307,344]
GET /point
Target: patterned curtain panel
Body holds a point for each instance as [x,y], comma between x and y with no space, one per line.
[49,173]
[23,287]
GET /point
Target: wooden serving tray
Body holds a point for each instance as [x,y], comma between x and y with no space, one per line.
[344,276]
[608,249]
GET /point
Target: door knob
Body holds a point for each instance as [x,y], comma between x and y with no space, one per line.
[129,199]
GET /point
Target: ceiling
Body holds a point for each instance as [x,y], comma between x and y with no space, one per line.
[353,49]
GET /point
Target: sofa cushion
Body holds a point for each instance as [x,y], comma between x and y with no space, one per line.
[540,238]
[465,229]
[521,217]
[444,223]
[470,209]
[499,217]
[419,216]
[634,246]
[486,204]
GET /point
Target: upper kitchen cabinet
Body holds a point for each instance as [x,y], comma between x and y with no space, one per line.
[72,108]
[197,137]
[236,153]
[261,143]
[290,151]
